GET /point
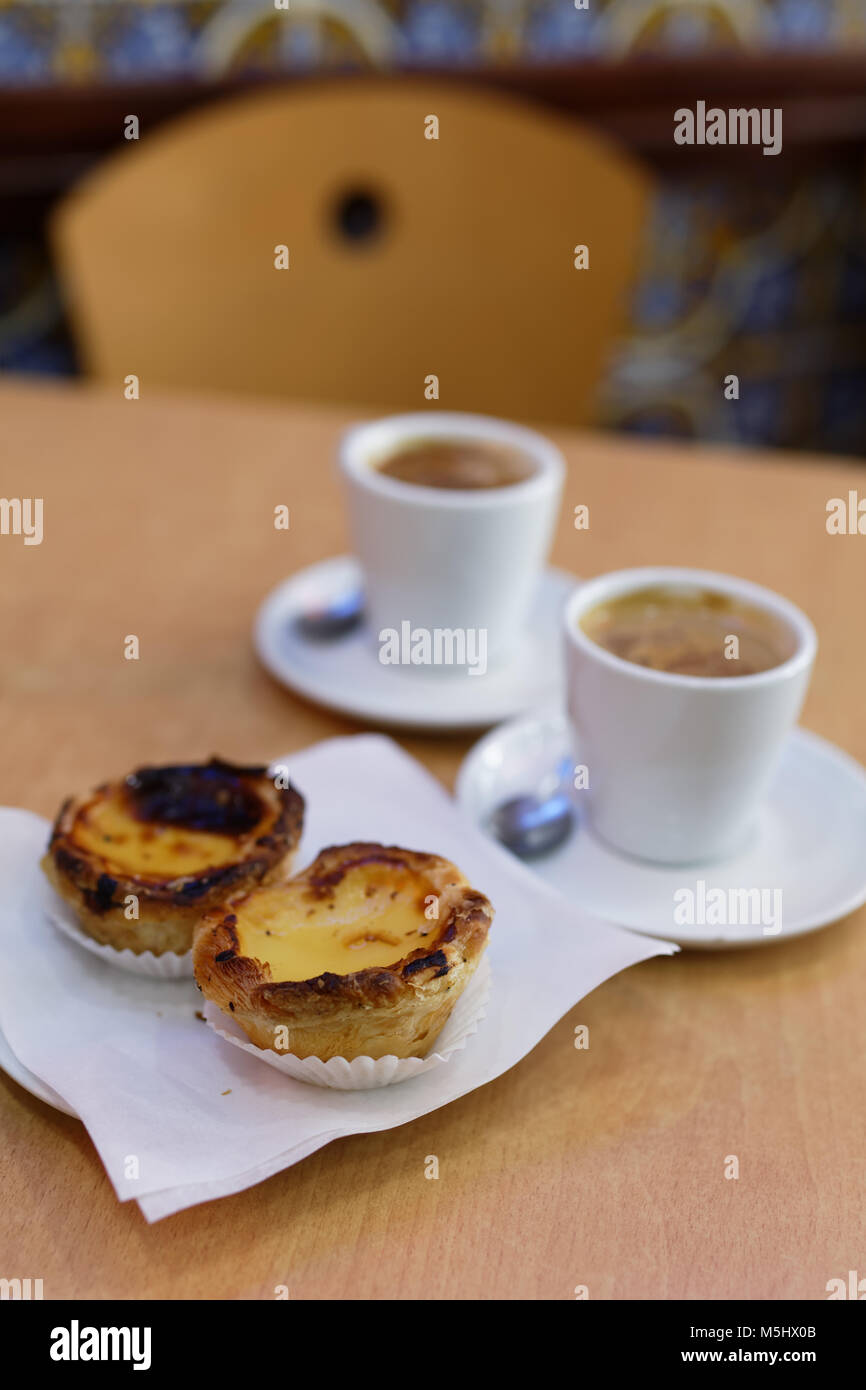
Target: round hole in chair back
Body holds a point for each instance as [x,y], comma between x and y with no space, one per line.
[359,215]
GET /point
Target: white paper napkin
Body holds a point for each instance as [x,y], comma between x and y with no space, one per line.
[179,1116]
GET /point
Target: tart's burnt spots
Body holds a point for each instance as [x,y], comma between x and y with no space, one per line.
[258,962]
[214,796]
[437,959]
[101,898]
[182,839]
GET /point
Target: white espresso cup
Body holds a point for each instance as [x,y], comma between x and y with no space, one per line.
[677,766]
[450,560]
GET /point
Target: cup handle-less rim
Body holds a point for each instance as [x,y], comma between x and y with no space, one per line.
[362,445]
[619,582]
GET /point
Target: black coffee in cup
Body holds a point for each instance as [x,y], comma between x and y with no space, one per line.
[457,464]
[689,632]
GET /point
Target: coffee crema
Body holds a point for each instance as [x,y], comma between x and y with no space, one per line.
[689,631]
[460,464]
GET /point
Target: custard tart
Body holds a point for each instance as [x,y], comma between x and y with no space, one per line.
[169,844]
[364,954]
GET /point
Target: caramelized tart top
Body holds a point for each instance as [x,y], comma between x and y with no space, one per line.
[178,830]
[164,822]
[372,908]
[362,924]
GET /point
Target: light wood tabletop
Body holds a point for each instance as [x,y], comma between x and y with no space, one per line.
[603,1167]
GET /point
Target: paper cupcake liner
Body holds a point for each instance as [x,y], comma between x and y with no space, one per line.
[366,1073]
[168,966]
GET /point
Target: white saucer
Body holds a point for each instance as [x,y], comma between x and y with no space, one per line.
[29,1080]
[345,673]
[810,841]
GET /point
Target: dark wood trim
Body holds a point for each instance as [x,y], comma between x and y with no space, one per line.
[67,117]
[50,136]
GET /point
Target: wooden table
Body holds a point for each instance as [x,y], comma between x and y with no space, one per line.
[602,1167]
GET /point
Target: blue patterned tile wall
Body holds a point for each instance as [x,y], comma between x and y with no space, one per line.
[769,284]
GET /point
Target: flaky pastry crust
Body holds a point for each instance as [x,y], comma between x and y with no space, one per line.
[398,1009]
[170,905]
